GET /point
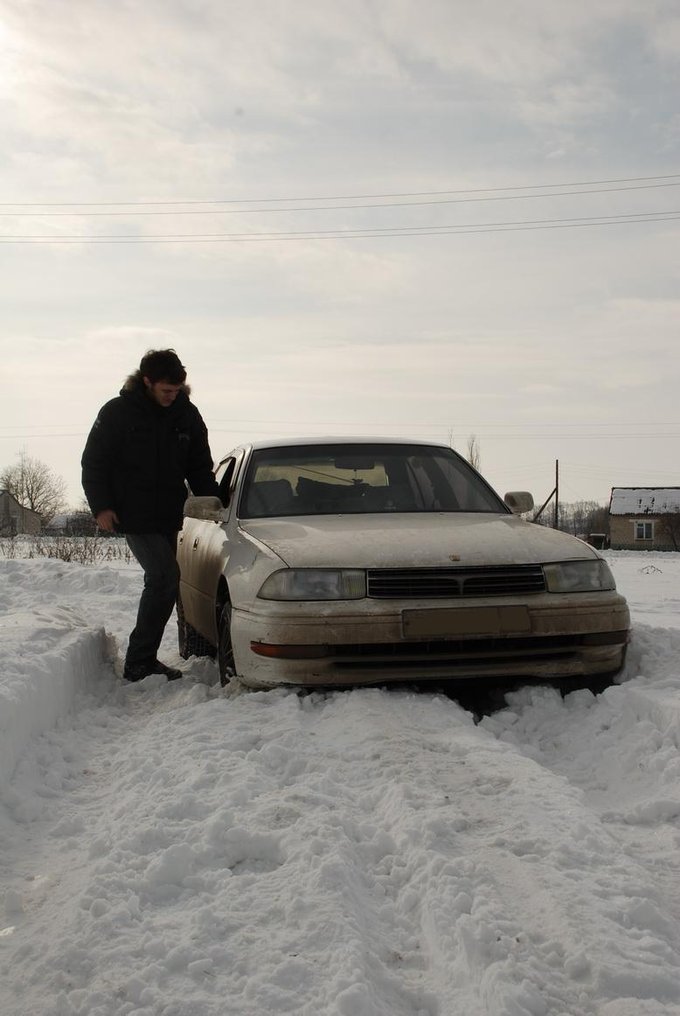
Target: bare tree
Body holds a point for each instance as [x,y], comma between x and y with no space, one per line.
[474,455]
[583,517]
[36,486]
[580,518]
[81,523]
[670,526]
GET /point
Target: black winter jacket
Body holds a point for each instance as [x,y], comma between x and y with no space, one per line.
[138,455]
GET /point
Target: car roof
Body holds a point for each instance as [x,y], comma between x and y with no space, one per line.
[285,442]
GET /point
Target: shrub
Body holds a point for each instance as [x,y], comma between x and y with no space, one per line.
[73,549]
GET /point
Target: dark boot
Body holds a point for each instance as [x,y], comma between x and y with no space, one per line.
[138,671]
[172,673]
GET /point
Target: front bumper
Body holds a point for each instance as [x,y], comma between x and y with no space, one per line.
[322,644]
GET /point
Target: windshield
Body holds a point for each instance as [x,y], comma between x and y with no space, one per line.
[350,479]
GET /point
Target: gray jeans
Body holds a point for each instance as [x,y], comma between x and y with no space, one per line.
[156,554]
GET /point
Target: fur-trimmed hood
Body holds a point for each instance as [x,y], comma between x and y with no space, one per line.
[135,382]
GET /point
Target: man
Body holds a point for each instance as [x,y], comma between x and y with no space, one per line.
[143,446]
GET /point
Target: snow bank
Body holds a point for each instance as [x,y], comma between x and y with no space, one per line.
[208,851]
[48,655]
[49,663]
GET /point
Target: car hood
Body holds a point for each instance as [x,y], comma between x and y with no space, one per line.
[413,541]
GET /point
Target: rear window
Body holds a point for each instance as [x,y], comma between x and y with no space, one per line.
[356,479]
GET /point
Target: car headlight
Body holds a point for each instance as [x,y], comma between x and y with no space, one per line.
[314,584]
[578,577]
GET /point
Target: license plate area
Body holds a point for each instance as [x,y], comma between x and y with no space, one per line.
[462,621]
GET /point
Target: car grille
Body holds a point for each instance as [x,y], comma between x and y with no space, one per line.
[465,654]
[412,583]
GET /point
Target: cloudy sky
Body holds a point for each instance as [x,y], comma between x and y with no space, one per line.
[428,218]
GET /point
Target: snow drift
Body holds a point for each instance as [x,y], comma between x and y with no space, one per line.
[363,853]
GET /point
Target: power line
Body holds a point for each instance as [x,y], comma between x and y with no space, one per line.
[356,234]
[343,197]
[337,208]
[500,436]
[369,230]
[265,428]
[641,429]
[458,425]
[19,437]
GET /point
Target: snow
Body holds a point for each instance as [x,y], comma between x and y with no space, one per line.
[644,500]
[186,850]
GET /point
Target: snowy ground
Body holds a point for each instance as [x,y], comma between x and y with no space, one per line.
[180,850]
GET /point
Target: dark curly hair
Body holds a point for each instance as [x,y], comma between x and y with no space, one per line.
[163,365]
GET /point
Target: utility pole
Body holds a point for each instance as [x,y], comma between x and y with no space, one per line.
[555,492]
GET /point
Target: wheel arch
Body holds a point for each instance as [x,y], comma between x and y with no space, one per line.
[222,596]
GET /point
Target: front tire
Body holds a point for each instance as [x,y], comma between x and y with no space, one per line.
[225,650]
[190,642]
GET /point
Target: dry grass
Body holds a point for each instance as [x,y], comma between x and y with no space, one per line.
[74,549]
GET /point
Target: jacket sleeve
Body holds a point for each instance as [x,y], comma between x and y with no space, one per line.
[200,475]
[97,462]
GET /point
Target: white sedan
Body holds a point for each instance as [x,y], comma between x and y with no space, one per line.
[337,562]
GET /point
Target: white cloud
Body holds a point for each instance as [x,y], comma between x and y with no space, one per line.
[665,37]
[183,100]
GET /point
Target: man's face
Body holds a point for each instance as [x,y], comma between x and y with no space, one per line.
[162,392]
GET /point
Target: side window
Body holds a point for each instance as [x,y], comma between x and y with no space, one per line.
[225,474]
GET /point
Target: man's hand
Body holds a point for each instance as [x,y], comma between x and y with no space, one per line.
[107,520]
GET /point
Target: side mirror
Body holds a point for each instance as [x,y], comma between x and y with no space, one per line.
[209,509]
[519,501]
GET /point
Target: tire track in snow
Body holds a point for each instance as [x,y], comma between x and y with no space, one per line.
[357,854]
[621,750]
[507,818]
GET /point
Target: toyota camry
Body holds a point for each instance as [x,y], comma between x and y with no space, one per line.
[333,562]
